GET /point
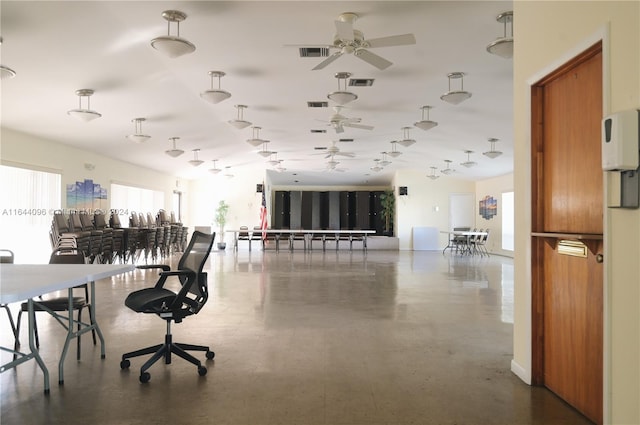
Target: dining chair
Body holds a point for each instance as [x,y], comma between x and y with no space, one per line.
[55,304]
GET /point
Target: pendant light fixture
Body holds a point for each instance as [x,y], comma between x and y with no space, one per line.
[239,122]
[503,46]
[82,114]
[376,167]
[456,96]
[384,161]
[195,161]
[274,159]
[468,163]
[342,96]
[173,46]
[332,164]
[264,152]
[256,140]
[174,151]
[425,124]
[138,136]
[5,71]
[406,140]
[394,153]
[215,95]
[493,153]
[447,170]
[214,170]
[433,175]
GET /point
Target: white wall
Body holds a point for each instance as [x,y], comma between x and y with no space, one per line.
[426,205]
[568,27]
[239,192]
[22,149]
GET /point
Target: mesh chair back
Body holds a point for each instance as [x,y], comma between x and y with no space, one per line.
[194,258]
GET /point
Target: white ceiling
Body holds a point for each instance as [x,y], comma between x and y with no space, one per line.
[59,47]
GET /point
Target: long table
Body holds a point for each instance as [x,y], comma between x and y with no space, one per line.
[306,234]
[22,282]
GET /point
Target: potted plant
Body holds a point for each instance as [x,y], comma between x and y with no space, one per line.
[388,203]
[221,219]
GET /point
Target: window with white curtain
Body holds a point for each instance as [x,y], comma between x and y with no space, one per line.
[128,199]
[507,221]
[27,201]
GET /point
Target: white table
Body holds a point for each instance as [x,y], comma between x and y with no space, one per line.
[21,282]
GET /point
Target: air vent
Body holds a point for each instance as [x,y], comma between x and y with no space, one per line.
[345,140]
[314,52]
[318,104]
[320,148]
[318,131]
[361,82]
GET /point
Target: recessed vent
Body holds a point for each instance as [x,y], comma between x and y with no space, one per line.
[320,148]
[361,82]
[318,131]
[314,52]
[318,104]
[345,140]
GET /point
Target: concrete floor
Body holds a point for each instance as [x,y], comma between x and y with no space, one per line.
[316,338]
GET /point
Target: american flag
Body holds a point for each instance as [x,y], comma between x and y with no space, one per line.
[263,215]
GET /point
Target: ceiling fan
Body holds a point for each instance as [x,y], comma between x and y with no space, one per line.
[349,40]
[339,121]
[334,150]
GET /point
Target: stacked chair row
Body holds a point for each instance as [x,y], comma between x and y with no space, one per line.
[105,241]
[158,236]
[88,233]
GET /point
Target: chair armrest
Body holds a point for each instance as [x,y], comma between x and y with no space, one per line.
[164,267]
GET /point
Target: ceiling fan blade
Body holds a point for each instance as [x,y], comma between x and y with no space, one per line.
[344,30]
[373,59]
[327,61]
[361,126]
[347,154]
[394,40]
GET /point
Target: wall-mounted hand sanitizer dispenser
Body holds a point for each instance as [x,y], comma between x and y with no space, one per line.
[621,141]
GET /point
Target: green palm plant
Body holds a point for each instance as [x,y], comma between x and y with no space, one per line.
[388,203]
[221,218]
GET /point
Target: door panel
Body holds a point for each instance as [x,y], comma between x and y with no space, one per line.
[573,330]
[567,203]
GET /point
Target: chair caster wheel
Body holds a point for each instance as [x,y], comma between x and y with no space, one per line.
[202,370]
[145,377]
[210,354]
[125,364]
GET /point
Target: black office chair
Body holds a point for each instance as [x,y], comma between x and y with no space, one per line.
[61,303]
[171,306]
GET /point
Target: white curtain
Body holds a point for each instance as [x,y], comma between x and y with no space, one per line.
[27,201]
[128,199]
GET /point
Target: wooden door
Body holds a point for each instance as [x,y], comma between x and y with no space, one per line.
[567,213]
